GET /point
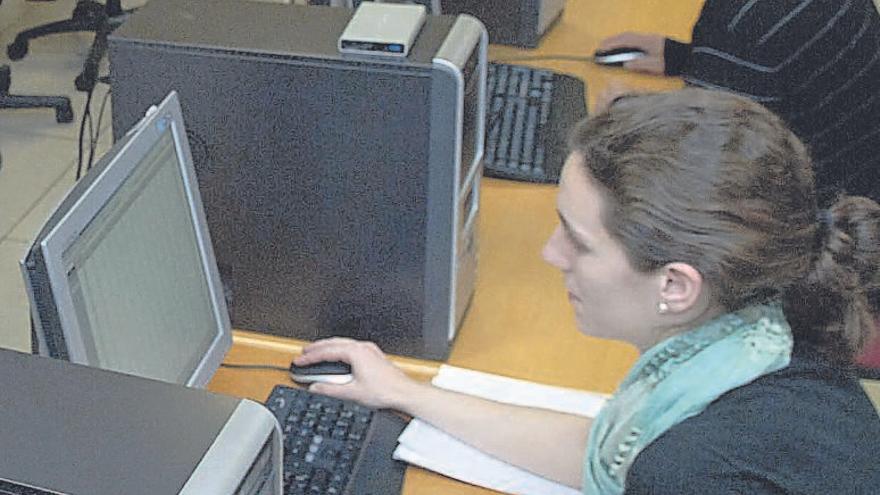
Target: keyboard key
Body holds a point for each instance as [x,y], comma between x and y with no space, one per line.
[529,143]
[501,153]
[518,128]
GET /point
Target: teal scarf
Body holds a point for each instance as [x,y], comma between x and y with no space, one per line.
[675,380]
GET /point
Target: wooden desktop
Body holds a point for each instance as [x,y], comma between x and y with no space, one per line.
[520,323]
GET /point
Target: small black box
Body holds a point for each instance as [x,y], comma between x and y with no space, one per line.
[510,22]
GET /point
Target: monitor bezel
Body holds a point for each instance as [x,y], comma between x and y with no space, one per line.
[56,242]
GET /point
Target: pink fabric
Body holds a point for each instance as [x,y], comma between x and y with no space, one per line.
[870,357]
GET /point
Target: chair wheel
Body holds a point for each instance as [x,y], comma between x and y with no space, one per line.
[83,82]
[63,114]
[5,79]
[17,50]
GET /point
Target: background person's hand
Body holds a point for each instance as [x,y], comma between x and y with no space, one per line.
[376,381]
[615,89]
[651,44]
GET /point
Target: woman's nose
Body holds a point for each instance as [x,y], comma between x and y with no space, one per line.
[554,250]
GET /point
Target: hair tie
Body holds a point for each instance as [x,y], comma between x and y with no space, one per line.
[825,220]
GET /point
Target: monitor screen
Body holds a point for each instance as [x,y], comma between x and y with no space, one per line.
[130,266]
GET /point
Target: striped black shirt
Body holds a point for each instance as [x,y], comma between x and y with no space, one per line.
[816,63]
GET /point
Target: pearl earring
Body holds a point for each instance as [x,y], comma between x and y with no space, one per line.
[662,307]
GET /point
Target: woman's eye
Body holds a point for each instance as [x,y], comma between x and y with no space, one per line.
[575,243]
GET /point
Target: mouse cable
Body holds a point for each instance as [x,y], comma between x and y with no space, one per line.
[525,58]
[254,366]
[93,143]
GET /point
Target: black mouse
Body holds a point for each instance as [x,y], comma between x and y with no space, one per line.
[617,56]
[335,372]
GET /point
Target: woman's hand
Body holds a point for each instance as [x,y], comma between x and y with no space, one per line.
[376,381]
[652,44]
[545,442]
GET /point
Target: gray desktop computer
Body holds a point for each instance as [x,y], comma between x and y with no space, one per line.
[70,429]
[341,190]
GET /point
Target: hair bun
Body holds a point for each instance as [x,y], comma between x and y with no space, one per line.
[842,294]
[850,234]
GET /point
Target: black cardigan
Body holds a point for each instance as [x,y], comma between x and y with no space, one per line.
[806,429]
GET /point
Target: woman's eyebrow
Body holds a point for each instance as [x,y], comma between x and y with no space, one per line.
[569,229]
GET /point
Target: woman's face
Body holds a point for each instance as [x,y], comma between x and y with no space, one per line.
[610,299]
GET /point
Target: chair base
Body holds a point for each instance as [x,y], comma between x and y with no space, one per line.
[88,15]
[61,104]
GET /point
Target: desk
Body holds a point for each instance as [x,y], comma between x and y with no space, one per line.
[520,323]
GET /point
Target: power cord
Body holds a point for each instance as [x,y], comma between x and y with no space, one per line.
[254,366]
[527,58]
[94,133]
[86,116]
[94,141]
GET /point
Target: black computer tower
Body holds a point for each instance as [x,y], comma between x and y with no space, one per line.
[509,22]
[341,191]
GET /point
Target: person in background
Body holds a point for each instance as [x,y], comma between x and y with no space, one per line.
[689,227]
[816,63]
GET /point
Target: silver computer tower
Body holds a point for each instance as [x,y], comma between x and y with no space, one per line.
[341,191]
[73,429]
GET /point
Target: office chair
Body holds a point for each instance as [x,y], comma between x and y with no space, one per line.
[61,104]
[88,15]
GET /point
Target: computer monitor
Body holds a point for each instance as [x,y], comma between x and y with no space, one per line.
[122,276]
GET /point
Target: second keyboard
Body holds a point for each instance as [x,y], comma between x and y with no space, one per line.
[530,112]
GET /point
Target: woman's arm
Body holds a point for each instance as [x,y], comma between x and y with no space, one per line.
[543,442]
[547,443]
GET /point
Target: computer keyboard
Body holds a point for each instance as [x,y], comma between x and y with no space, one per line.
[530,112]
[335,447]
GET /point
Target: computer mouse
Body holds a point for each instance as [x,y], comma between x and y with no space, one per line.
[335,372]
[617,56]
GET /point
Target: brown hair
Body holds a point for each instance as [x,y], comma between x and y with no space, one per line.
[717,181]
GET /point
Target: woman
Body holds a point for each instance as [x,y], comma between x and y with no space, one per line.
[814,63]
[689,228]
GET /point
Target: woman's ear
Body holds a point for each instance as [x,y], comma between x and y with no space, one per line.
[682,288]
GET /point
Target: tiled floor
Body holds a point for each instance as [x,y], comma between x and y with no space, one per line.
[39,155]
